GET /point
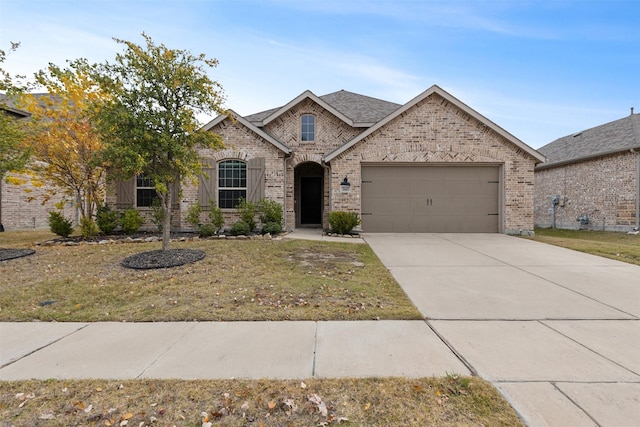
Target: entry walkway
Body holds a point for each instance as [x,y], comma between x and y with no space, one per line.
[556,331]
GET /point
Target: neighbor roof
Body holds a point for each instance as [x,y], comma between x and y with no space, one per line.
[7,105]
[613,137]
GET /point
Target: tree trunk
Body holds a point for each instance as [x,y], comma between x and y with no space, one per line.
[165,201]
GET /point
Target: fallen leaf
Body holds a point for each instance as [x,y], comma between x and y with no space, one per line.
[88,409]
[367,406]
[98,388]
[272,404]
[127,416]
[303,385]
[46,417]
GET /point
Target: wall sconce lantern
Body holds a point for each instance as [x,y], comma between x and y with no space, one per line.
[345,186]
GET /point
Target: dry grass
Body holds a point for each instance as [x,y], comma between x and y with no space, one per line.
[619,246]
[238,280]
[449,401]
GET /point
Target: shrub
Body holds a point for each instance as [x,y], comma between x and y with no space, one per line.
[215,217]
[107,219]
[247,211]
[239,228]
[272,228]
[343,222]
[206,230]
[270,211]
[60,225]
[88,227]
[193,214]
[131,221]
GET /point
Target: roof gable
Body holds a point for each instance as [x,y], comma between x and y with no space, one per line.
[232,115]
[439,91]
[613,137]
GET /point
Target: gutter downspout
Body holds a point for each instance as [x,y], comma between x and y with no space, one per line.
[1,226]
[286,157]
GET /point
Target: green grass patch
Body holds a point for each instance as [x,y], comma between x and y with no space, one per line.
[237,280]
[619,246]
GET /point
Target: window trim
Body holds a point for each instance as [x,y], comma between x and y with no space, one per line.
[151,187]
[304,128]
[220,188]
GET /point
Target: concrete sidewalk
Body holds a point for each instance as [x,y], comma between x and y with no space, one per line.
[222,350]
[556,331]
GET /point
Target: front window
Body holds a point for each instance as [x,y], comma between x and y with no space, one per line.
[145,191]
[232,183]
[308,130]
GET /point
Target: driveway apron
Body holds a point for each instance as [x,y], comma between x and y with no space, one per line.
[555,330]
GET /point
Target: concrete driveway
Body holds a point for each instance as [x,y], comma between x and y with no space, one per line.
[556,331]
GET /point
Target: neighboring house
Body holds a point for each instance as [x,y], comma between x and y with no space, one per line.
[21,194]
[591,179]
[430,165]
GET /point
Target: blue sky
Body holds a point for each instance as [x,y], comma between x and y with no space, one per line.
[541,69]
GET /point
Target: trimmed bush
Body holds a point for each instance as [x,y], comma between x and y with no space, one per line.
[342,222]
[247,211]
[88,227]
[107,219]
[131,221]
[216,218]
[193,214]
[240,228]
[270,211]
[272,228]
[206,230]
[60,225]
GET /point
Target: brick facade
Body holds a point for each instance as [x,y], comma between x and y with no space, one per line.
[433,131]
[21,203]
[602,189]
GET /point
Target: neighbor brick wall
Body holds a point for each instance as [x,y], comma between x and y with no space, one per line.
[435,131]
[22,206]
[603,188]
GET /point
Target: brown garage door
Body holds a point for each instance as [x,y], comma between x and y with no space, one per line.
[430,199]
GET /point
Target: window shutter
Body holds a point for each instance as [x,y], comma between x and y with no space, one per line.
[255,179]
[207,183]
[124,193]
[175,194]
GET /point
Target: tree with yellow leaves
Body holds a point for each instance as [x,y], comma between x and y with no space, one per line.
[65,148]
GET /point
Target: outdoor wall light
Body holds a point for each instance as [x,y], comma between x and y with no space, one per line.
[345,186]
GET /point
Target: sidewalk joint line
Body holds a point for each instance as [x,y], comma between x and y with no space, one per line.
[576,404]
[453,350]
[11,362]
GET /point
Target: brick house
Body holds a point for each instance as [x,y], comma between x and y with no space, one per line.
[21,194]
[591,179]
[430,165]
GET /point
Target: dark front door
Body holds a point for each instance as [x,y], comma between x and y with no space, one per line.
[311,200]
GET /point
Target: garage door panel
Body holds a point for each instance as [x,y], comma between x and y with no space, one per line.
[430,199]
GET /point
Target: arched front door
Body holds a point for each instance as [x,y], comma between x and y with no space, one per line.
[309,194]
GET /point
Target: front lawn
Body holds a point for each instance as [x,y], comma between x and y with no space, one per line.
[619,246]
[237,280]
[448,401]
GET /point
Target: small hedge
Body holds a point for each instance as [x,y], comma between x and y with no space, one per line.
[60,225]
[342,222]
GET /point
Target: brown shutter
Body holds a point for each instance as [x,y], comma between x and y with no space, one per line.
[124,193]
[207,183]
[175,194]
[255,179]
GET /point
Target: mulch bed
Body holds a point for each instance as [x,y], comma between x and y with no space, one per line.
[162,259]
[6,254]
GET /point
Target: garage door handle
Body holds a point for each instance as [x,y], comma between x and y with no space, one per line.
[366,213]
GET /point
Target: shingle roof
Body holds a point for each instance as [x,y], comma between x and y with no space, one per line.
[612,137]
[360,109]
